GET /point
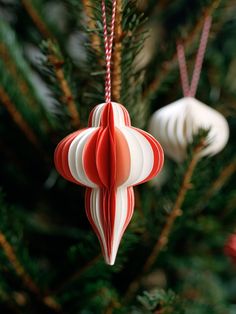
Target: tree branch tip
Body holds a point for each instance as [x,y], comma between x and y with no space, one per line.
[179,212]
[164,240]
[188,186]
[51,303]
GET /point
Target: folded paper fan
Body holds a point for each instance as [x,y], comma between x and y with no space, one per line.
[175,124]
[109,157]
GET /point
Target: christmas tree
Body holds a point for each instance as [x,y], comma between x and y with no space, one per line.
[175,254]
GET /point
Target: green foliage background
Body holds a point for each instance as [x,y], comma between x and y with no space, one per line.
[51,76]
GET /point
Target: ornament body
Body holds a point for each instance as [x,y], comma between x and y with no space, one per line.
[230,247]
[174,126]
[109,157]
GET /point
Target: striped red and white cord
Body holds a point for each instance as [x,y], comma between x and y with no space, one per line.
[108,43]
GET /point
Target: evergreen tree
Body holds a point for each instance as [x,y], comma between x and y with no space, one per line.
[52,66]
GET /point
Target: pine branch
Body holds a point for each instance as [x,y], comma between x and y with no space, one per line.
[224,176]
[159,301]
[228,209]
[133,35]
[36,18]
[25,277]
[169,65]
[76,275]
[11,66]
[18,77]
[19,269]
[12,299]
[94,38]
[56,61]
[114,304]
[117,54]
[18,118]
[166,230]
[176,211]
[137,202]
[10,232]
[12,304]
[127,83]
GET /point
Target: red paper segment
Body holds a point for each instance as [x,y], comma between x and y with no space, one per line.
[122,158]
[105,156]
[61,157]
[89,158]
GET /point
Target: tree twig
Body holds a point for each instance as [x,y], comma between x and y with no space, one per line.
[20,271]
[18,118]
[42,27]
[11,67]
[20,80]
[94,38]
[224,176]
[67,96]
[75,275]
[25,277]
[114,304]
[164,236]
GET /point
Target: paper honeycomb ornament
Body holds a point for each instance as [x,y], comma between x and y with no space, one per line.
[109,157]
[175,124]
[230,247]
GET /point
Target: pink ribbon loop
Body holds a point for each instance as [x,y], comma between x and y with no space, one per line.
[190,90]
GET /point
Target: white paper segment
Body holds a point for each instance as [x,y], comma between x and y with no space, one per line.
[141,156]
[75,157]
[117,113]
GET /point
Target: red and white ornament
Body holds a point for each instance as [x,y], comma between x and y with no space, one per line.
[175,124]
[230,247]
[109,157]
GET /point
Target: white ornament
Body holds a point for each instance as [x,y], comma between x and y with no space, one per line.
[174,126]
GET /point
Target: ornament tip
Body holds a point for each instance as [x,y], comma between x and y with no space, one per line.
[110,260]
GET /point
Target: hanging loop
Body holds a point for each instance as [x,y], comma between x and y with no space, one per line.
[108,43]
[190,90]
